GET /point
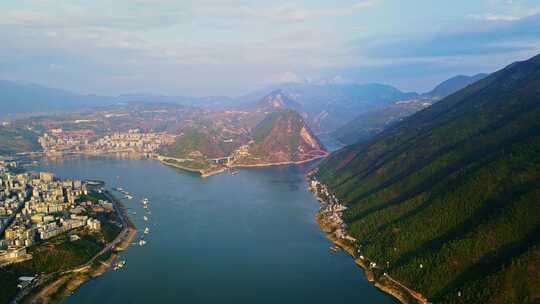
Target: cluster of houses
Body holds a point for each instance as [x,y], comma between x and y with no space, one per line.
[36,207]
[331,211]
[60,141]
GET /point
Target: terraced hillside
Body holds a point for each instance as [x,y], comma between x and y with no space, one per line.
[449,199]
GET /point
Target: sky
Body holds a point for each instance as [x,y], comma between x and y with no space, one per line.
[231,47]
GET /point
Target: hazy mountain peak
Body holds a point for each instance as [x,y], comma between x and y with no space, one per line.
[278,99]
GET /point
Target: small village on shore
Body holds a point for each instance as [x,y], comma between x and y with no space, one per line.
[330,219]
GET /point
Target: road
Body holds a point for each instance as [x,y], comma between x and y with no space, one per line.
[123,235]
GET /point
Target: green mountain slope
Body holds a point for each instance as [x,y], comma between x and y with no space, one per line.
[449,199]
[454,84]
[15,140]
[366,125]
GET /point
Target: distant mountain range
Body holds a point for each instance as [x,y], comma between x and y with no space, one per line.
[18,97]
[453,85]
[325,107]
[371,122]
[446,201]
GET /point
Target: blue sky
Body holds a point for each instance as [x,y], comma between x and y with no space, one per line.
[230,47]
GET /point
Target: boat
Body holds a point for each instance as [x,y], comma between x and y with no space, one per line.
[142,242]
[146,230]
[145,218]
[234,172]
[129,197]
[334,248]
[120,265]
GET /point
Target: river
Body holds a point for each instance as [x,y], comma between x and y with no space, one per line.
[245,238]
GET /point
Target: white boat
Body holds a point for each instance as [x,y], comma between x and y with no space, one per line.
[142,242]
[146,230]
[145,218]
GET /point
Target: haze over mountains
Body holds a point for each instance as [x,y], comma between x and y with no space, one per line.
[325,107]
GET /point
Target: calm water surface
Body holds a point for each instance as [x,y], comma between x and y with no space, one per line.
[248,238]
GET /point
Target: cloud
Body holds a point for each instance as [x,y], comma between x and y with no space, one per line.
[517,14]
[84,19]
[292,13]
[474,39]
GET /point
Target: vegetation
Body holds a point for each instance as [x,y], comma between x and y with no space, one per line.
[368,124]
[59,254]
[447,200]
[195,165]
[17,140]
[279,138]
[276,136]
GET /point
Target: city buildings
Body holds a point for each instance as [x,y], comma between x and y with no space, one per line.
[38,206]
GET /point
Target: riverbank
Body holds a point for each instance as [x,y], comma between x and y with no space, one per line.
[289,163]
[210,172]
[54,288]
[202,172]
[331,223]
[62,286]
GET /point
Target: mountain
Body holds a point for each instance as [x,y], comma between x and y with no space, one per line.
[278,100]
[282,137]
[453,85]
[327,107]
[207,101]
[446,201]
[20,98]
[16,140]
[265,135]
[368,124]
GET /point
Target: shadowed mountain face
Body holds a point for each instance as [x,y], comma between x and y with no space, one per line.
[368,124]
[21,98]
[454,84]
[448,198]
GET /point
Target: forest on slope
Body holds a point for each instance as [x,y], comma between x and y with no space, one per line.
[17,140]
[448,199]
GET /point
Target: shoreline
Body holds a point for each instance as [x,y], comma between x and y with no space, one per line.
[280,163]
[202,173]
[377,277]
[205,174]
[57,289]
